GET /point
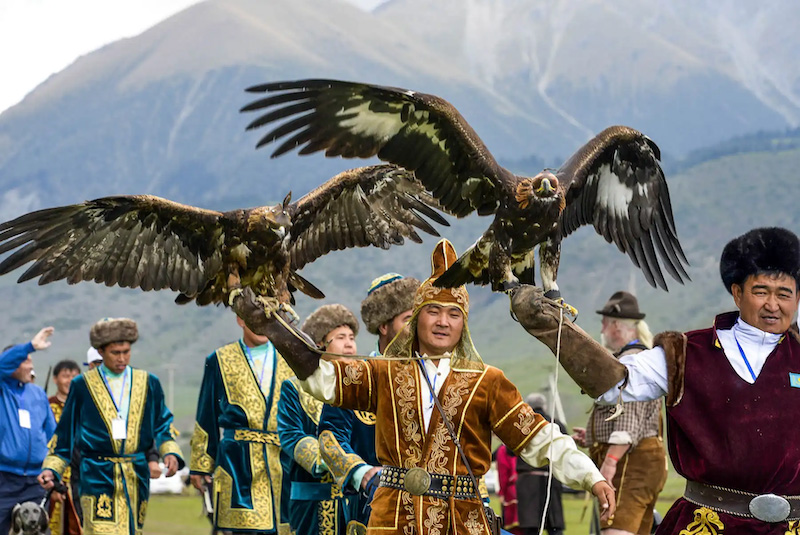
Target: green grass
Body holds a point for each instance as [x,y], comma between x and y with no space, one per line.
[179,515]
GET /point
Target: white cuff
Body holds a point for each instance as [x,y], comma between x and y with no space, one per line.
[620,437]
[322,383]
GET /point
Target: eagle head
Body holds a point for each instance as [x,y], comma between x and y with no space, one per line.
[545,184]
[277,217]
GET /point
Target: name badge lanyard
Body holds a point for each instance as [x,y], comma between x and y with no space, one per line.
[117,406]
[744,357]
[269,354]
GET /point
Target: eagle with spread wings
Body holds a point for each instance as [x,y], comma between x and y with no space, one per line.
[614,182]
[142,241]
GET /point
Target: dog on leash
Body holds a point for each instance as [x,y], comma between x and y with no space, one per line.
[29,518]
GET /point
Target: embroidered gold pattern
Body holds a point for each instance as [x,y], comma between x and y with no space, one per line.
[142,511]
[706,522]
[55,463]
[306,453]
[326,516]
[103,402]
[339,462]
[200,461]
[408,504]
[473,525]
[311,405]
[169,446]
[353,372]
[433,522]
[250,435]
[104,506]
[794,528]
[454,395]
[136,409]
[366,417]
[527,419]
[241,386]
[407,404]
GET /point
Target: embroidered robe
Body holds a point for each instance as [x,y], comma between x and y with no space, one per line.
[114,476]
[63,515]
[478,404]
[236,440]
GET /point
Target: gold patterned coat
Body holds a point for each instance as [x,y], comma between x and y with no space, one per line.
[235,440]
[114,476]
[478,404]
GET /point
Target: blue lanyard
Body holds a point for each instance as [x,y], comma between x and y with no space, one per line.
[750,369]
[269,354]
[117,406]
[433,383]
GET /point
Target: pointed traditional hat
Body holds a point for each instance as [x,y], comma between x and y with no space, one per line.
[443,256]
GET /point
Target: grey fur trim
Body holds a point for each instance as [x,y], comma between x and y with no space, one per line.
[109,330]
[387,302]
[325,319]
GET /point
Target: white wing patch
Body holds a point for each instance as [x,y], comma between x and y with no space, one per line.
[366,122]
[612,194]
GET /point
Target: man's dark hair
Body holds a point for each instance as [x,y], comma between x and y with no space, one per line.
[770,251]
[65,364]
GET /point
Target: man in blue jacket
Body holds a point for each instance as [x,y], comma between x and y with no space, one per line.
[27,424]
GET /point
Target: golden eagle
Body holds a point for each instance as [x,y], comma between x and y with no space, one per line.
[142,241]
[614,182]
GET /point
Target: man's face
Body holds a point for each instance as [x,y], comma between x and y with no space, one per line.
[116,356]
[767,302]
[390,329]
[341,340]
[23,372]
[439,329]
[250,338]
[63,380]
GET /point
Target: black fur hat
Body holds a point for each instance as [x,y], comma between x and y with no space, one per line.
[761,250]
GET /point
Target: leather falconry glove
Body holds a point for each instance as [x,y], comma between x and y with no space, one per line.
[292,344]
[589,364]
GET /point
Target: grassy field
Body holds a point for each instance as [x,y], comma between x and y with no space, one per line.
[179,515]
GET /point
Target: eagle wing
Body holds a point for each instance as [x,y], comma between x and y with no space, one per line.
[379,205]
[137,241]
[615,183]
[420,132]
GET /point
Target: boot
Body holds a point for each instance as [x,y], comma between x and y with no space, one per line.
[590,365]
[293,344]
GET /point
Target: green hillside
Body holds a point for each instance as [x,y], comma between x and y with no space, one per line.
[713,202]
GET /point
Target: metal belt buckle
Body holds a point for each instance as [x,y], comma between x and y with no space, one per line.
[770,508]
[417,481]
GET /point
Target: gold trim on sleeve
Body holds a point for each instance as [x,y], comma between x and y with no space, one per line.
[306,453]
[200,460]
[55,463]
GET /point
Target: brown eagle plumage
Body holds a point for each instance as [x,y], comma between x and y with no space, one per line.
[142,241]
[614,182]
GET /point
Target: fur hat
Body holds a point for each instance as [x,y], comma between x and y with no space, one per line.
[110,330]
[388,295]
[762,250]
[325,319]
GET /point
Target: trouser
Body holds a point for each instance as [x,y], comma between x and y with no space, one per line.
[16,489]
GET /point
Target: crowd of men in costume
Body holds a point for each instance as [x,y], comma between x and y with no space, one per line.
[397,443]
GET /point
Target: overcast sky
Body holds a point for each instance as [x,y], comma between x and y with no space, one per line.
[42,37]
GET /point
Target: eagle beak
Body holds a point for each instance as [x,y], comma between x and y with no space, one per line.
[545,186]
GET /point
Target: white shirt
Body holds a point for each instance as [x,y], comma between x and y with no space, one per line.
[549,445]
[261,359]
[647,370]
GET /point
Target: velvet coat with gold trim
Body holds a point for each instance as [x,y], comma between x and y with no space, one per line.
[316,504]
[114,476]
[478,402]
[236,440]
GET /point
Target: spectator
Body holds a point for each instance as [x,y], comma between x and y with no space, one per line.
[27,425]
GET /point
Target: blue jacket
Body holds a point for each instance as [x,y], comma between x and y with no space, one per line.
[22,450]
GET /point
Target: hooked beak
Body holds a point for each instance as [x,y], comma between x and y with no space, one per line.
[545,186]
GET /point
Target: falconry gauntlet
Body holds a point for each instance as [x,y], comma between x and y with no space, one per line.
[590,365]
[292,344]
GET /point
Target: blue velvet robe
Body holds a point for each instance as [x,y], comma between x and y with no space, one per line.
[347,442]
[114,476]
[316,504]
[235,440]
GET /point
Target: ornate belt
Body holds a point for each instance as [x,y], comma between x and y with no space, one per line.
[253,435]
[764,507]
[419,482]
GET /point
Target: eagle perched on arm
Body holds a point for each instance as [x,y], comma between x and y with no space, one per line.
[142,241]
[614,182]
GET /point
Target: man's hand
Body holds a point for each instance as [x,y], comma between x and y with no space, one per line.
[41,340]
[368,476]
[199,482]
[155,470]
[608,469]
[579,436]
[171,464]
[608,502]
[46,479]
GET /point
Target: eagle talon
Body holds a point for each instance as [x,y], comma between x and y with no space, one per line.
[233,294]
[568,309]
[289,311]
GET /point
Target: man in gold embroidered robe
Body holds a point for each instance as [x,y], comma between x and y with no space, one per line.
[410,434]
[112,415]
[235,436]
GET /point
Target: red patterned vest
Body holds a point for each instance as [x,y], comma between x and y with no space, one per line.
[727,432]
